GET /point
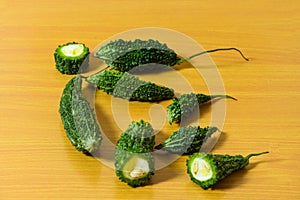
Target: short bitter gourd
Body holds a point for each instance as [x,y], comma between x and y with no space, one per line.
[124,55]
[130,87]
[78,118]
[186,104]
[69,57]
[187,140]
[207,169]
[134,163]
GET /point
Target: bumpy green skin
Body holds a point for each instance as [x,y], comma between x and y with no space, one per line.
[78,118]
[137,140]
[123,55]
[67,64]
[187,140]
[186,104]
[221,165]
[130,87]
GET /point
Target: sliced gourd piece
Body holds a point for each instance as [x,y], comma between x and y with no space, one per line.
[69,57]
[134,162]
[207,169]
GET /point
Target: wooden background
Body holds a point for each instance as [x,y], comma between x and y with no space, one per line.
[38,162]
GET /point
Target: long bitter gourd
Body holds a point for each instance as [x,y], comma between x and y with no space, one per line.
[128,86]
[70,56]
[78,118]
[134,163]
[124,55]
[187,140]
[186,104]
[207,169]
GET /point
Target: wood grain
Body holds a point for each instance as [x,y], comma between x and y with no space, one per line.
[38,161]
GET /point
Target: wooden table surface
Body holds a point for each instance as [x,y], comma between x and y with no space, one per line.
[39,162]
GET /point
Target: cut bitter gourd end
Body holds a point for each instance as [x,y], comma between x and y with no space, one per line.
[72,50]
[137,171]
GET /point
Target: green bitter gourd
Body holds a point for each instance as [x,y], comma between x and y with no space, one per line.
[78,118]
[207,169]
[124,55]
[186,104]
[134,163]
[128,86]
[69,57]
[187,140]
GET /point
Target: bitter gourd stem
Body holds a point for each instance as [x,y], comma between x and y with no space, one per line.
[222,96]
[210,51]
[255,154]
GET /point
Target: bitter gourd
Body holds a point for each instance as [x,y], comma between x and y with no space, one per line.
[207,169]
[124,55]
[187,140]
[186,104]
[78,118]
[134,163]
[70,56]
[128,86]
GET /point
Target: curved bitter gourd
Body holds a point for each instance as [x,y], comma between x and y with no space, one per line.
[130,87]
[187,140]
[207,169]
[78,118]
[134,163]
[124,55]
[186,104]
[70,56]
